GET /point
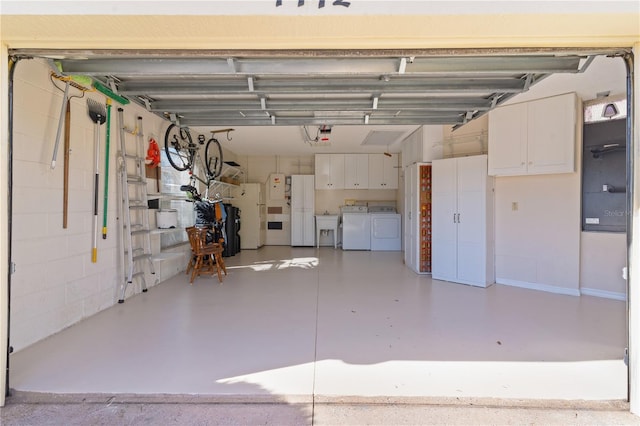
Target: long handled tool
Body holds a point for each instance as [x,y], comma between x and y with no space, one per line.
[98,116]
[106,171]
[65,103]
[65,117]
[77,82]
[67,150]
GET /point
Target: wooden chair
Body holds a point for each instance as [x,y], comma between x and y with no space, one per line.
[192,258]
[206,258]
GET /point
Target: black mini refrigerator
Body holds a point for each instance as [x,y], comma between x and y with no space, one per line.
[232,230]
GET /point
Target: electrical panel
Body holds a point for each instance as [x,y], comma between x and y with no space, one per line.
[276,185]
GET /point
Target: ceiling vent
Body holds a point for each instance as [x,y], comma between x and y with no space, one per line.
[383,137]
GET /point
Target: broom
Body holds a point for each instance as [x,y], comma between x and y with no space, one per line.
[98,116]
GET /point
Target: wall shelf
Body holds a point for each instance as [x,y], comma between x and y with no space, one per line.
[226,182]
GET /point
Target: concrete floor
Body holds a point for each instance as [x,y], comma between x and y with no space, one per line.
[109,410]
[307,336]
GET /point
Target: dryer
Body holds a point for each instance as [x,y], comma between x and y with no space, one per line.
[386,229]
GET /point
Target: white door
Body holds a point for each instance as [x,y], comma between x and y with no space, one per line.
[323,171]
[444,219]
[297,228]
[472,177]
[309,223]
[471,247]
[297,210]
[337,171]
[383,171]
[551,130]
[410,218]
[302,210]
[508,140]
[356,171]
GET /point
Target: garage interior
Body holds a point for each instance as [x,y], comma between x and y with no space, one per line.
[326,322]
[297,323]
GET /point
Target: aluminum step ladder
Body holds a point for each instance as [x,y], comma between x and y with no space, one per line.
[135,251]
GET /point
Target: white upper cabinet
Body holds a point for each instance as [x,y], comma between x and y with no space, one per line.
[356,171]
[424,144]
[383,171]
[537,137]
[329,171]
[508,140]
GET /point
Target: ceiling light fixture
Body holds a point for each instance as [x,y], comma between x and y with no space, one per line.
[375,102]
[366,119]
[250,82]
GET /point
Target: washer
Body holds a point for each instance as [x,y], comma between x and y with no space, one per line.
[356,228]
[386,229]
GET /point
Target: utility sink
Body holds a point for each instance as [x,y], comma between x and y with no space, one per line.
[327,222]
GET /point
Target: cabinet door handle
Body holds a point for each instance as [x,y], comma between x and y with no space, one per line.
[454,218]
[458,217]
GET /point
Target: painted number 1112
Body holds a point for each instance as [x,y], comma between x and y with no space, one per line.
[320,3]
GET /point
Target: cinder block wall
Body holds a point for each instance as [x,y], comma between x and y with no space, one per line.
[56,284]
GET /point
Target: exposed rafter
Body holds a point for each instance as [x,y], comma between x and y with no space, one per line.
[292,90]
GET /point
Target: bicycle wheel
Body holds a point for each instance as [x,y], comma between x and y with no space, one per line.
[177,147]
[213,158]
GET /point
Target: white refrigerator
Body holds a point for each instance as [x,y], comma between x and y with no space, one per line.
[249,198]
[302,210]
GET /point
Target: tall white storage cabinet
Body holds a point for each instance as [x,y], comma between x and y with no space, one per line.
[462,215]
[418,217]
[250,199]
[302,210]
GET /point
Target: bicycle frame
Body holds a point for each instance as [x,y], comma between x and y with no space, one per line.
[184,155]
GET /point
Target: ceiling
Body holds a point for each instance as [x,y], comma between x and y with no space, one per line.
[244,90]
[317,98]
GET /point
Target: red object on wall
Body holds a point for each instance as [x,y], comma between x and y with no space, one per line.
[153,154]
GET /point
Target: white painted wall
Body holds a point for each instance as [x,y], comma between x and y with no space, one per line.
[602,257]
[555,255]
[470,139]
[538,245]
[56,284]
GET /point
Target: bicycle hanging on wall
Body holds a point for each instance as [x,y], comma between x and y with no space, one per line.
[185,155]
